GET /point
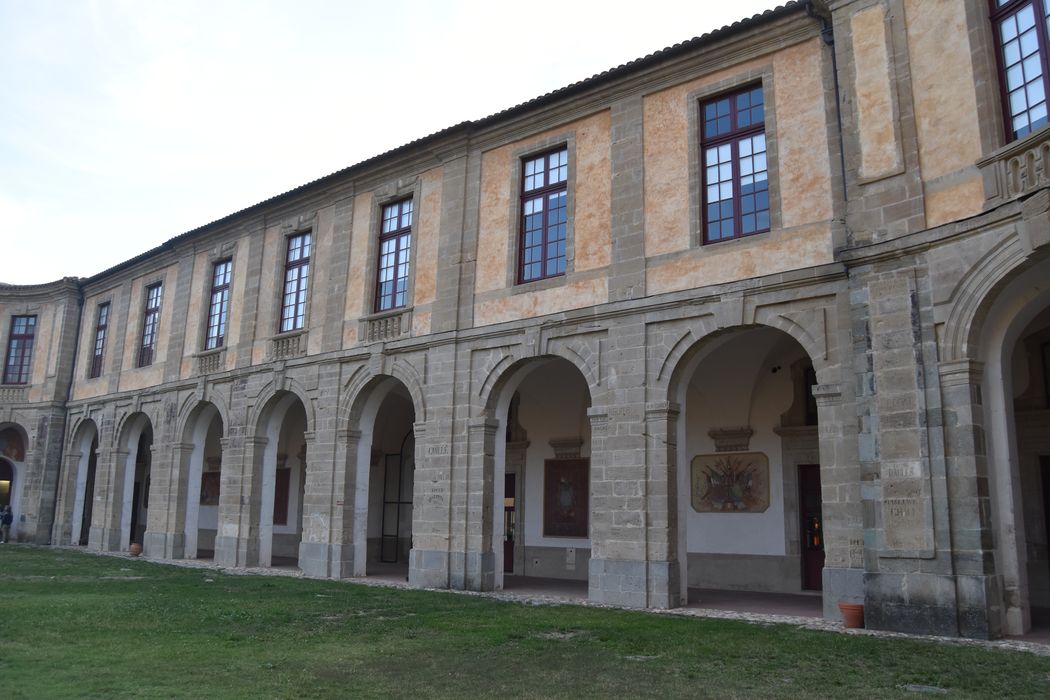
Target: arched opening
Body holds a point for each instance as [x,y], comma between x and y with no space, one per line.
[202,472]
[541,515]
[137,486]
[750,516]
[12,464]
[86,445]
[1015,349]
[388,447]
[283,473]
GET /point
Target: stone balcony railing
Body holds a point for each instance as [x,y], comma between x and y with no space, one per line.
[387,326]
[287,346]
[1017,169]
[13,394]
[211,361]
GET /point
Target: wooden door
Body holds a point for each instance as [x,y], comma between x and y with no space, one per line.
[811,527]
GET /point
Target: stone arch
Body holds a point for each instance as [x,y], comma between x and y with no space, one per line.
[257,412]
[685,426]
[14,446]
[973,295]
[78,484]
[192,404]
[130,430]
[505,376]
[15,452]
[363,380]
[996,326]
[502,371]
[363,402]
[194,431]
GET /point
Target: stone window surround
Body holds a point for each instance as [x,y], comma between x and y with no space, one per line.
[519,156]
[763,75]
[390,193]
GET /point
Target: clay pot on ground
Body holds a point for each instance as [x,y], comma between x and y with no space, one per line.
[135,549]
[852,615]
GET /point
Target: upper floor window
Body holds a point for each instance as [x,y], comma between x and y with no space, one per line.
[1021,32]
[19,350]
[395,243]
[150,318]
[219,307]
[296,279]
[101,325]
[735,173]
[544,215]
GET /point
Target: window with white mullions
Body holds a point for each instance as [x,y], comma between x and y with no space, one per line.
[19,350]
[544,216]
[296,282]
[735,170]
[395,245]
[1022,28]
[219,308]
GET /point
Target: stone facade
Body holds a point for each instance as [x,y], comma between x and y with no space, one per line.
[890,327]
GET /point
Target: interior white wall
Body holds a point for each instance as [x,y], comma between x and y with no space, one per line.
[553,404]
[131,444]
[273,424]
[734,386]
[393,424]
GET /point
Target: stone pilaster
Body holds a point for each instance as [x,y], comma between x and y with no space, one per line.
[237,540]
[109,501]
[475,568]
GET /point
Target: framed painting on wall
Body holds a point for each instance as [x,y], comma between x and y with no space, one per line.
[566,497]
[730,482]
[210,488]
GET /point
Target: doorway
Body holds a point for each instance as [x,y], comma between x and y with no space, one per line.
[811,525]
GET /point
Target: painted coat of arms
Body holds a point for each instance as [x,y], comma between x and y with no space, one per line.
[730,482]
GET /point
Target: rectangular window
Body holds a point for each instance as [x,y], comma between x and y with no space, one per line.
[735,176]
[296,280]
[150,318]
[544,215]
[1021,28]
[395,243]
[19,350]
[219,308]
[101,324]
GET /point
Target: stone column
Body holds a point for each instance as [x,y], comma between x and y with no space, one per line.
[619,567]
[841,496]
[475,568]
[237,541]
[109,501]
[320,496]
[166,527]
[660,489]
[428,560]
[62,533]
[980,600]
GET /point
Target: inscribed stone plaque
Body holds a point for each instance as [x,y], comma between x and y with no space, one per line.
[730,483]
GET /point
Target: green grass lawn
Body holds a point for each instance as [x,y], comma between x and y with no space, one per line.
[83,625]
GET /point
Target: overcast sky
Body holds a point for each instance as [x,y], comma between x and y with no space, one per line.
[124,123]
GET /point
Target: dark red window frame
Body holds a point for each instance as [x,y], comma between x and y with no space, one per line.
[395,253]
[19,356]
[1022,41]
[150,320]
[544,215]
[733,165]
[219,306]
[101,326]
[296,282]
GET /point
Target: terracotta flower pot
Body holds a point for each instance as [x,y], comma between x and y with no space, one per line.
[135,549]
[852,615]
